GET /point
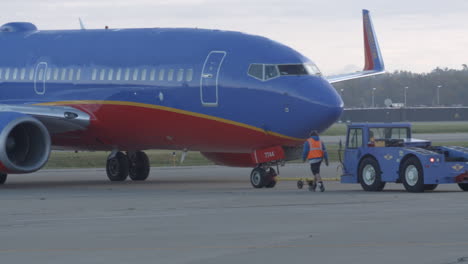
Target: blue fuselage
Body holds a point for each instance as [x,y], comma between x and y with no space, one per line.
[204,72]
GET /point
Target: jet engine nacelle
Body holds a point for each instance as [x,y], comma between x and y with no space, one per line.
[24,143]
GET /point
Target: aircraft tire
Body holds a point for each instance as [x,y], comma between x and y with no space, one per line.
[117,167]
[412,175]
[3,178]
[430,187]
[139,166]
[370,175]
[258,178]
[271,182]
[463,186]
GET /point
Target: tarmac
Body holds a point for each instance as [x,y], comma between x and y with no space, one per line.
[212,214]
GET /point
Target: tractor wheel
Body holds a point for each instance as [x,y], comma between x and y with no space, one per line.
[412,175]
[370,175]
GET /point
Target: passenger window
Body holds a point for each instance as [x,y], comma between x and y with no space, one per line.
[256,71]
[271,71]
[56,73]
[119,72]
[170,75]
[152,74]
[110,76]
[15,73]
[7,73]
[143,75]
[127,74]
[31,74]
[78,75]
[23,73]
[1,72]
[189,75]
[135,74]
[161,74]
[102,75]
[70,74]
[94,75]
[63,74]
[48,73]
[355,138]
[41,74]
[180,75]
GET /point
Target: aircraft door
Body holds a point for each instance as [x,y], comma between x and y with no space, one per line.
[352,153]
[209,78]
[40,78]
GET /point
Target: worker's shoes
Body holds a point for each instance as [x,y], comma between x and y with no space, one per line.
[312,186]
[321,187]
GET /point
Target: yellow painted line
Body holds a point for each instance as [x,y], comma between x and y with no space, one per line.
[170,109]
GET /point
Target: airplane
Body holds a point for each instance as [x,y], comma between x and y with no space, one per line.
[241,100]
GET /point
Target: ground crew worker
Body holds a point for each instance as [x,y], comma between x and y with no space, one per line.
[315,151]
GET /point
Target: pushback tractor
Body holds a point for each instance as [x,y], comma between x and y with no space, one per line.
[378,153]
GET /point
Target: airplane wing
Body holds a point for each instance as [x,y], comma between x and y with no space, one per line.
[374,64]
[57,119]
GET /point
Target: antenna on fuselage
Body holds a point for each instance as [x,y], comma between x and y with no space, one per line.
[81,24]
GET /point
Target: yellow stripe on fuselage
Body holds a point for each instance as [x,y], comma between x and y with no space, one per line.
[170,109]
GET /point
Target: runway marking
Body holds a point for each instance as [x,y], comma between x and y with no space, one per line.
[247,247]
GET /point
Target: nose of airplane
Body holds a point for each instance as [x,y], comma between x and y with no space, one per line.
[332,105]
[325,104]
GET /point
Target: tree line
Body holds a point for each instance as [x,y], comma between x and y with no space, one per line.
[440,87]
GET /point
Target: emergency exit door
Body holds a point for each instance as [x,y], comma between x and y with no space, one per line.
[209,78]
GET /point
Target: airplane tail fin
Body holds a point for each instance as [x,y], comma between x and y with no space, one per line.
[374,63]
[374,60]
[81,24]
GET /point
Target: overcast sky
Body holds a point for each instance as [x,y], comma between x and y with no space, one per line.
[413,35]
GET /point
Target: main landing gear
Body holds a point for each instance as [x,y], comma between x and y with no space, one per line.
[263,176]
[134,164]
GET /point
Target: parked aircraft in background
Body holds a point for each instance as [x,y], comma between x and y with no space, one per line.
[241,100]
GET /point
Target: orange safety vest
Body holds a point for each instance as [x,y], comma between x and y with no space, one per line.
[315,149]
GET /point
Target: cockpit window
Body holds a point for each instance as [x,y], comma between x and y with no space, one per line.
[266,72]
[293,69]
[312,69]
[256,71]
[271,71]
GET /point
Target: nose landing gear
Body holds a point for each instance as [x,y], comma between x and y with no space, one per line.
[263,177]
[119,166]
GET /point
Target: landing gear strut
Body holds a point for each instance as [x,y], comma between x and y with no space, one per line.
[261,177]
[134,164]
